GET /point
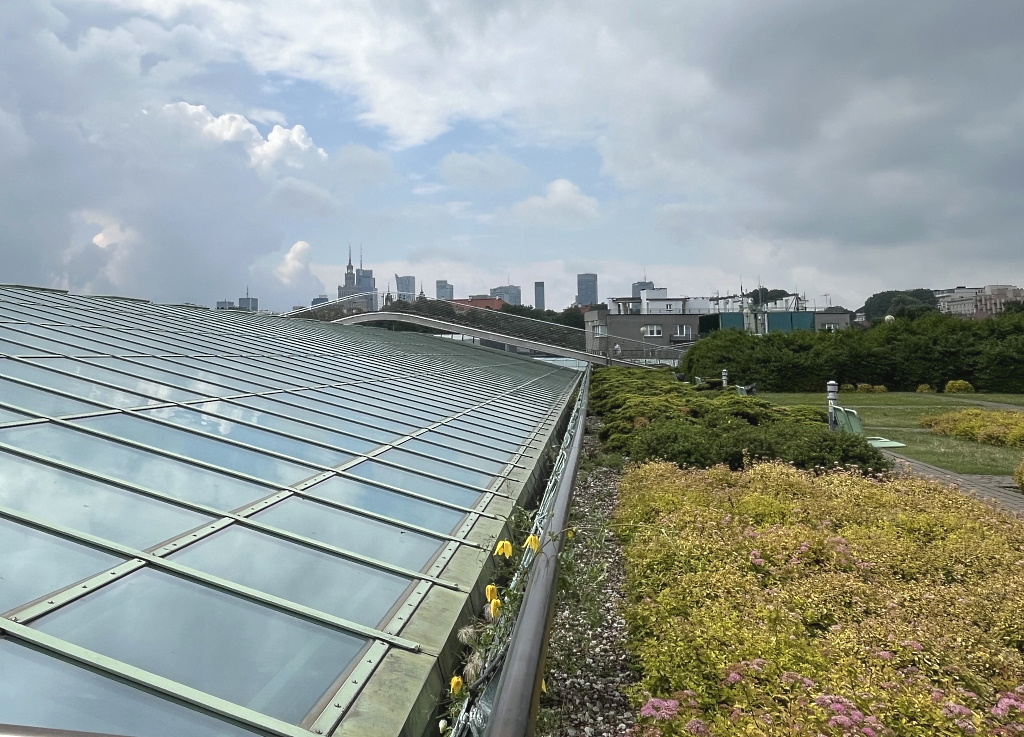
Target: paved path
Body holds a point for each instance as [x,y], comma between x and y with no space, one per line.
[999,489]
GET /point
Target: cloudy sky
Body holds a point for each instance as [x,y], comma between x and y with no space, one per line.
[182,150]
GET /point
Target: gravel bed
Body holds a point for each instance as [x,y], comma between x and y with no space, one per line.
[588,668]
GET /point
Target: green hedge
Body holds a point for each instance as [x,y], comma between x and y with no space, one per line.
[901,355]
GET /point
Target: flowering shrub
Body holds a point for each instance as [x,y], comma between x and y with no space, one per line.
[776,602]
[925,389]
[983,426]
[1018,476]
[959,387]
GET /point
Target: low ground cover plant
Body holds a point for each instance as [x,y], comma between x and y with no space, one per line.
[649,414]
[958,386]
[993,427]
[774,601]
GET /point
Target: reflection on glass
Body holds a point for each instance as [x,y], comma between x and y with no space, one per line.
[319,401]
[249,654]
[43,402]
[220,427]
[489,440]
[8,416]
[72,385]
[160,392]
[352,532]
[439,468]
[62,498]
[410,481]
[175,364]
[449,453]
[287,404]
[388,503]
[483,447]
[172,477]
[201,448]
[185,382]
[34,563]
[40,690]
[304,575]
[37,343]
[334,439]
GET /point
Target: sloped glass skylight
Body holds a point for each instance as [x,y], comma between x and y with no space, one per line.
[221,523]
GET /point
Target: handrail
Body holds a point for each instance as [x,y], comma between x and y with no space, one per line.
[517,699]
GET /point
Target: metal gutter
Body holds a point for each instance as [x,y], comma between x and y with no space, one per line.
[517,699]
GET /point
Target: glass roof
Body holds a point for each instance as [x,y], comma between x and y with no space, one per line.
[208,519]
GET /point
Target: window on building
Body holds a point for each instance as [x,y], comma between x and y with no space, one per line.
[831,327]
[600,331]
[651,331]
[683,331]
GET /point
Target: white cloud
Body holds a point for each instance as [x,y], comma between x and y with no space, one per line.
[294,267]
[486,171]
[562,205]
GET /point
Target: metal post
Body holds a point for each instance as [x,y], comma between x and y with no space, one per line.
[833,397]
[725,378]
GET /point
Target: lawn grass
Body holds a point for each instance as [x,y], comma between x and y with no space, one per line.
[895,415]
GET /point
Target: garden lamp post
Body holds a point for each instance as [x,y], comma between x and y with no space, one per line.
[643,341]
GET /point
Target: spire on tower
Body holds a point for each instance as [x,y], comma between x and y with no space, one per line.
[350,257]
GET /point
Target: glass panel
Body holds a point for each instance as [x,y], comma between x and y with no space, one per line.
[252,655]
[196,373]
[43,691]
[318,401]
[39,343]
[201,448]
[414,482]
[174,478]
[304,575]
[221,427]
[279,404]
[438,468]
[8,416]
[12,349]
[237,364]
[161,392]
[453,435]
[352,532]
[43,402]
[483,446]
[34,563]
[490,465]
[166,377]
[212,373]
[301,429]
[388,503]
[78,387]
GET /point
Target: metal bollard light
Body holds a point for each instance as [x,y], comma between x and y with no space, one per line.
[832,396]
[725,378]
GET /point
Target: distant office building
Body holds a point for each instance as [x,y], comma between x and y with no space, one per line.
[445,290]
[405,288]
[360,284]
[249,304]
[319,300]
[225,304]
[977,301]
[512,294]
[639,286]
[538,295]
[586,289]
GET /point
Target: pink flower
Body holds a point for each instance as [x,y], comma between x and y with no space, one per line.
[698,728]
[733,678]
[660,708]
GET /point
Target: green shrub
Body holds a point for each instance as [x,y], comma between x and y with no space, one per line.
[847,388]
[805,445]
[925,389]
[958,386]
[776,602]
[993,427]
[865,388]
[879,389]
[1018,476]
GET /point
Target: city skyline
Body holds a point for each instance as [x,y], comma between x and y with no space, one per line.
[164,150]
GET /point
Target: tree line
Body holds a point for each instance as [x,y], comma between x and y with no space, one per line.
[900,355]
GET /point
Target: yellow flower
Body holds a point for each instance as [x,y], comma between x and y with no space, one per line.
[456,685]
[495,609]
[570,533]
[543,685]
[492,592]
[532,542]
[504,548]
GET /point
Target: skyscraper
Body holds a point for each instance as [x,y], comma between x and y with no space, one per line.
[586,289]
[538,295]
[359,282]
[405,288]
[445,290]
[512,294]
[639,286]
